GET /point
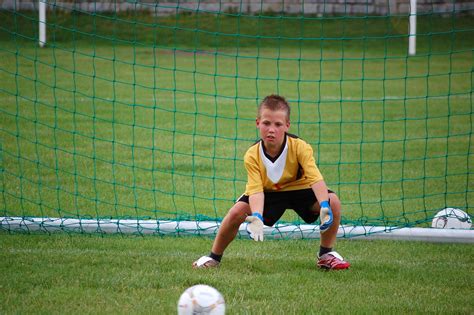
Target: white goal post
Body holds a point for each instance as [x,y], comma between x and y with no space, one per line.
[42,22]
[412,29]
[411,36]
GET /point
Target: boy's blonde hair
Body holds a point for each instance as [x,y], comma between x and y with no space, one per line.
[274,102]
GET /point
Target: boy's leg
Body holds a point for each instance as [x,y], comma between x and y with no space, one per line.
[226,234]
[327,258]
[328,238]
[230,226]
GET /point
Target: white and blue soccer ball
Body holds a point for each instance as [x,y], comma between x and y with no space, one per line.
[451,218]
[201,299]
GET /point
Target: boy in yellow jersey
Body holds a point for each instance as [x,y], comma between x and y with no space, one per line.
[281,175]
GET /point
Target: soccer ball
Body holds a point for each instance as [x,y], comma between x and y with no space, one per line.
[201,299]
[451,218]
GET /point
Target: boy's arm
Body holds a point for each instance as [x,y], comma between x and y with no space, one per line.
[325,214]
[306,159]
[320,190]
[254,190]
[255,226]
[256,203]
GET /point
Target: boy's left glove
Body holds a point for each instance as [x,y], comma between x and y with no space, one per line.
[255,226]
[325,216]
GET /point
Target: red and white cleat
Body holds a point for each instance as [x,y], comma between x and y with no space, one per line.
[332,260]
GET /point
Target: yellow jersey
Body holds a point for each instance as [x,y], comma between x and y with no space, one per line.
[293,169]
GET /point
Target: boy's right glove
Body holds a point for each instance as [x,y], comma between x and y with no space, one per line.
[325,216]
[255,226]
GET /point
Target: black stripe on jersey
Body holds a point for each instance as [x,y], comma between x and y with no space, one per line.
[273,159]
[299,174]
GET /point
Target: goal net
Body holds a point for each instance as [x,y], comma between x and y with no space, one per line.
[134,117]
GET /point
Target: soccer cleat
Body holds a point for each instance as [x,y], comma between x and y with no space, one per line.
[332,260]
[205,262]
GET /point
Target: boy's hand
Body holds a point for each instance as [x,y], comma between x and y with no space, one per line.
[325,216]
[255,226]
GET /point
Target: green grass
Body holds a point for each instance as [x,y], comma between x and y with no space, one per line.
[113,120]
[51,274]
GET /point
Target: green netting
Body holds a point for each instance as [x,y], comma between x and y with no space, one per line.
[143,111]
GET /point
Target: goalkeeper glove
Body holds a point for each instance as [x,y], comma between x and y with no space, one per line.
[255,226]
[325,216]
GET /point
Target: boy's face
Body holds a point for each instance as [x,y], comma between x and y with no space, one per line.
[273,125]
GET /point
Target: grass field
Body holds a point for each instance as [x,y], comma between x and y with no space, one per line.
[51,274]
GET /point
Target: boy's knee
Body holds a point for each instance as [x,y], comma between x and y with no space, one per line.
[237,214]
[335,203]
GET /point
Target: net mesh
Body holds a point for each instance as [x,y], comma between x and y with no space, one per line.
[143,111]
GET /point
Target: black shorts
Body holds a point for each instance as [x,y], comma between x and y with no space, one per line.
[276,203]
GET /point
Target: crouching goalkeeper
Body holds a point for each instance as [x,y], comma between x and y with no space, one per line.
[282,174]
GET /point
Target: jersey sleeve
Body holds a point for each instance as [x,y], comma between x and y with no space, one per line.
[254,178]
[307,162]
